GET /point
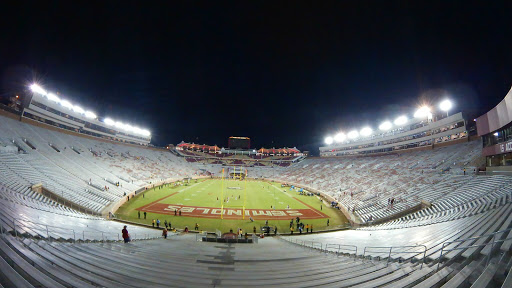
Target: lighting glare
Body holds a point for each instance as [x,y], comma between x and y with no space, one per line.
[328,140]
[445,105]
[353,134]
[90,115]
[340,137]
[109,121]
[366,131]
[401,120]
[66,104]
[422,112]
[385,126]
[53,97]
[78,109]
[37,89]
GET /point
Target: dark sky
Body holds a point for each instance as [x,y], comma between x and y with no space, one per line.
[282,73]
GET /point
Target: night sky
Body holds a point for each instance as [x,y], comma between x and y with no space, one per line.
[282,73]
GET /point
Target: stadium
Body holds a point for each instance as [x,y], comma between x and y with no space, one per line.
[91,197]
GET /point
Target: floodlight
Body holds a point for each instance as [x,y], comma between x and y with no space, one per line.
[119,125]
[146,133]
[496,134]
[422,112]
[109,121]
[445,105]
[37,89]
[385,126]
[401,120]
[66,104]
[78,109]
[53,97]
[328,140]
[340,137]
[137,130]
[90,114]
[366,131]
[353,134]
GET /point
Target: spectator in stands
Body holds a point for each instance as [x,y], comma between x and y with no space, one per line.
[165,224]
[157,223]
[291,230]
[144,214]
[307,228]
[126,235]
[196,227]
[153,222]
[327,222]
[186,229]
[164,233]
[311,228]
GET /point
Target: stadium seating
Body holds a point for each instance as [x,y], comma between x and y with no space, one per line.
[46,244]
[85,171]
[364,185]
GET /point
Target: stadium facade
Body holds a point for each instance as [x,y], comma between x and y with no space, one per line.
[416,134]
[495,128]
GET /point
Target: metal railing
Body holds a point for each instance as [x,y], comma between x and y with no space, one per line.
[341,247]
[492,243]
[313,245]
[424,252]
[56,232]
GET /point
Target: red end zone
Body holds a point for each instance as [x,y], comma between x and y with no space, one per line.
[232,213]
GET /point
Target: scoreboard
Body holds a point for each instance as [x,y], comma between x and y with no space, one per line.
[239,143]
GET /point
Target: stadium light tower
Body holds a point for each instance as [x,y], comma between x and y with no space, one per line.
[445,106]
[328,140]
[37,89]
[353,134]
[385,126]
[366,131]
[400,121]
[340,137]
[423,112]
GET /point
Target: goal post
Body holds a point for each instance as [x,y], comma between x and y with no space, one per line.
[222,195]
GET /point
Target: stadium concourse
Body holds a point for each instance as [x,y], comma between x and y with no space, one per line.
[447,225]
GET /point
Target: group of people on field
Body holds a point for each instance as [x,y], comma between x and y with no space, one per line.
[301,226]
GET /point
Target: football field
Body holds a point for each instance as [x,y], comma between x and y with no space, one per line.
[230,204]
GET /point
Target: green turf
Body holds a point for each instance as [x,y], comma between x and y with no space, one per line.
[204,193]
